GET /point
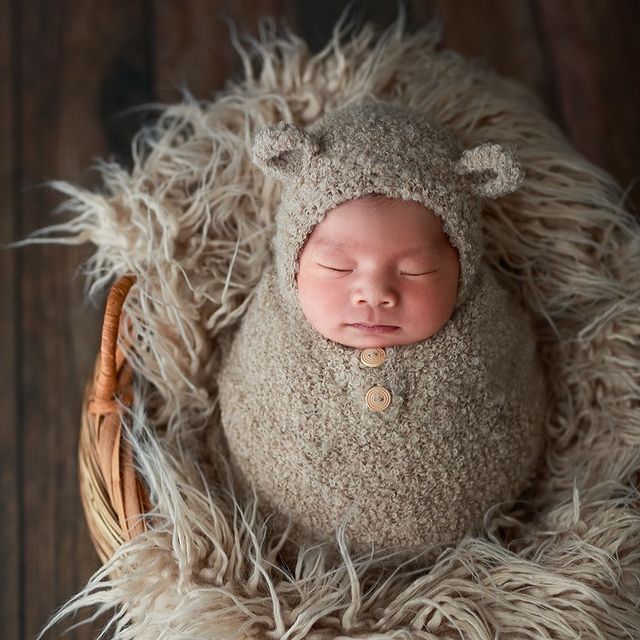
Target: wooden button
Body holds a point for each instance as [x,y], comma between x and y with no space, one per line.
[378,398]
[373,357]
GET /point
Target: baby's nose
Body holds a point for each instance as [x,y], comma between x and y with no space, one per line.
[375,294]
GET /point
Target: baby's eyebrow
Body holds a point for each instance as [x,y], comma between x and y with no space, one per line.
[341,245]
[428,246]
[330,244]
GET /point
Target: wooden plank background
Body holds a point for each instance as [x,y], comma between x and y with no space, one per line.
[68,70]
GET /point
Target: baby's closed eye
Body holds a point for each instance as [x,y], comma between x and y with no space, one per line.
[413,271]
[341,270]
[418,273]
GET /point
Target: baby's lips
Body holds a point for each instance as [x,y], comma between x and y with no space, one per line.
[375,328]
[374,323]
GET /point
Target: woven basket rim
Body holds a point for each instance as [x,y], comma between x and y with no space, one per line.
[114,498]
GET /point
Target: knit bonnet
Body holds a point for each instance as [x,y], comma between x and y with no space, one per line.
[374,147]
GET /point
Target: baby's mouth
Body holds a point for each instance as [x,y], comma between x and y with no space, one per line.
[374,328]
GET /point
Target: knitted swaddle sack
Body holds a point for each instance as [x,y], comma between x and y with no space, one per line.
[192,221]
[460,423]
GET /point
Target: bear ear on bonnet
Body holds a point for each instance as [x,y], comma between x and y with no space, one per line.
[283,149]
[492,169]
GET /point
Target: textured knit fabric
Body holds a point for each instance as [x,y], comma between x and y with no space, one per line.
[464,426]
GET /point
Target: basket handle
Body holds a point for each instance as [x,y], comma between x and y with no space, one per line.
[112,455]
[106,379]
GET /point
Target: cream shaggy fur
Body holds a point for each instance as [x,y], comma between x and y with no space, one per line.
[192,221]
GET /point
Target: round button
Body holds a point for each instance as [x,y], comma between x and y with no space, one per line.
[378,398]
[373,357]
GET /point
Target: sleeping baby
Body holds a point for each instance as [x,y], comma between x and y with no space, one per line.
[381,378]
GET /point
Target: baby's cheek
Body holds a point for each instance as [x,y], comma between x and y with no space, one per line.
[435,309]
[326,299]
[316,299]
[323,303]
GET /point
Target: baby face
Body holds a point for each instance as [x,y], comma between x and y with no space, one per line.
[378,272]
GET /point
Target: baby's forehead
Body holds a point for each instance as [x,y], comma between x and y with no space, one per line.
[364,222]
[347,244]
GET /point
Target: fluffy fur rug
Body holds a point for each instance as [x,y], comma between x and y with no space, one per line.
[192,220]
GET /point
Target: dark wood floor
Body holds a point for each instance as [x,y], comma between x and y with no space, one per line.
[68,70]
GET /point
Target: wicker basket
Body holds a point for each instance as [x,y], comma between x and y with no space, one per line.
[112,495]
